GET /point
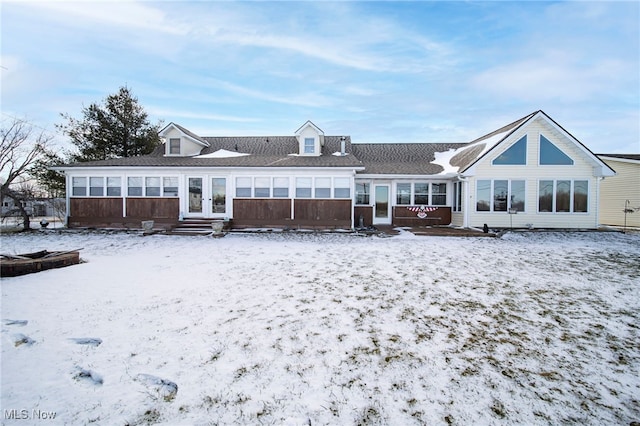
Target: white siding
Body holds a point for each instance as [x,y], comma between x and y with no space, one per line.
[615,190]
[532,173]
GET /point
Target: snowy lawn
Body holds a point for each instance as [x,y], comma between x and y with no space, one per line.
[530,328]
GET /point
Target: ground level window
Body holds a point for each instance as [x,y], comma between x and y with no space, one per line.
[363,190]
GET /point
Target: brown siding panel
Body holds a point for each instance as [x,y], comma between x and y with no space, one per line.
[367,215]
[153,208]
[332,213]
[274,212]
[95,207]
[402,216]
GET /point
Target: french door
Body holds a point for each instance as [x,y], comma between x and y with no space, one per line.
[207,196]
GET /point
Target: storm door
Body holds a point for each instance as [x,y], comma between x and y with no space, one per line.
[381,204]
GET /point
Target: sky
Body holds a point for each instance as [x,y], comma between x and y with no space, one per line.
[379,71]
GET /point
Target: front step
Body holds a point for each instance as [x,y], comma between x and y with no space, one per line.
[194,227]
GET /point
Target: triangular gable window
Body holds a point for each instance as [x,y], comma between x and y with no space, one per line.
[516,154]
[552,155]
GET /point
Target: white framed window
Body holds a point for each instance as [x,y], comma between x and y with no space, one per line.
[152,186]
[563,196]
[342,188]
[281,187]
[303,187]
[134,186]
[262,187]
[363,193]
[309,145]
[438,194]
[323,187]
[170,186]
[79,186]
[457,197]
[114,186]
[403,194]
[500,195]
[96,186]
[421,193]
[243,187]
[174,146]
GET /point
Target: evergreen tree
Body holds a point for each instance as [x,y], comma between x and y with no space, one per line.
[119,127]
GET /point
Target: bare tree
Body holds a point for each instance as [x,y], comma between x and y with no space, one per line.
[20,147]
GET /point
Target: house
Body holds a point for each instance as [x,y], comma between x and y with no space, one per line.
[528,173]
[621,192]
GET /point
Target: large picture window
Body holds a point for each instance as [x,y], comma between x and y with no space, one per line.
[500,195]
[563,196]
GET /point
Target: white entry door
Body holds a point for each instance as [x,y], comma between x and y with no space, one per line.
[381,204]
[207,197]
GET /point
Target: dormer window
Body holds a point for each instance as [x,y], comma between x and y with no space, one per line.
[174,146]
[309,145]
[310,139]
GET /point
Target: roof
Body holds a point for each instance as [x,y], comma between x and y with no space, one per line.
[401,158]
[263,151]
[367,158]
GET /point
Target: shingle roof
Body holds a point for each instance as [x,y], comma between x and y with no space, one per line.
[401,158]
[265,151]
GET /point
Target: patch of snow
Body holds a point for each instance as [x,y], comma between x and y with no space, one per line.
[443,159]
[312,328]
[222,153]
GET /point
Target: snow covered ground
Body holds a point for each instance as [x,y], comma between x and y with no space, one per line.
[298,329]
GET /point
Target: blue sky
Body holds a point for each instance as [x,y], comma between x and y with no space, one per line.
[377,71]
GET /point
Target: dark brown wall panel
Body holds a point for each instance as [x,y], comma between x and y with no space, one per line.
[153,208]
[367,215]
[322,210]
[402,216]
[262,209]
[95,207]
